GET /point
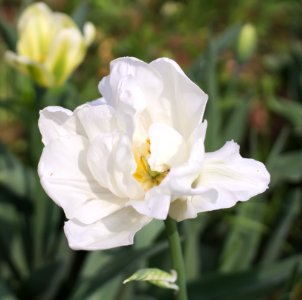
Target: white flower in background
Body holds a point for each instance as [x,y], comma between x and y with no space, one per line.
[137,154]
[50,45]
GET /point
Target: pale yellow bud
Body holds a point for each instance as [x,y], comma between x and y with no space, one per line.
[50,45]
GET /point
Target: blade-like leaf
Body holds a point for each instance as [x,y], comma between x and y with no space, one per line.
[114,267]
[286,167]
[8,34]
[290,211]
[15,176]
[249,284]
[243,240]
[236,125]
[43,282]
[6,293]
[290,110]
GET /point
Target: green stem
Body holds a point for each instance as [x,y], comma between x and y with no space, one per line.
[177,258]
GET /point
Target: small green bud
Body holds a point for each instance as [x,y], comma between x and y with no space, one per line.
[247,42]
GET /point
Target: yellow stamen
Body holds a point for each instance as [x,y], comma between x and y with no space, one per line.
[143,173]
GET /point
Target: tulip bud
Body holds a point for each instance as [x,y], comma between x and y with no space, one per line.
[247,42]
[50,45]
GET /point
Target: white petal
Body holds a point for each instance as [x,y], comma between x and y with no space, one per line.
[179,180]
[131,83]
[130,87]
[155,204]
[233,177]
[188,207]
[182,209]
[116,230]
[167,147]
[56,122]
[97,119]
[112,164]
[89,33]
[101,205]
[187,100]
[67,180]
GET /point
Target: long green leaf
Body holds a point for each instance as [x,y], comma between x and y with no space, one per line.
[290,211]
[236,125]
[15,176]
[6,293]
[243,240]
[290,110]
[218,46]
[114,267]
[249,284]
[42,282]
[8,35]
[286,167]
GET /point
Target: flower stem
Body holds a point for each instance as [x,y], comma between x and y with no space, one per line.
[177,258]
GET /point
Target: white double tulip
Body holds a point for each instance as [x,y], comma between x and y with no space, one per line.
[137,154]
[50,45]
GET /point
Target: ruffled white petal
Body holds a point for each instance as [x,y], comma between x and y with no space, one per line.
[97,119]
[188,208]
[179,180]
[56,122]
[117,229]
[167,147]
[111,161]
[186,100]
[65,177]
[131,84]
[155,204]
[233,177]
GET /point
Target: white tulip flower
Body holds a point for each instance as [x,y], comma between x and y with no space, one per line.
[136,154]
[50,45]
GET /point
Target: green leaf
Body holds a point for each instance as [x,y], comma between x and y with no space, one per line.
[236,125]
[242,243]
[286,167]
[250,284]
[155,276]
[44,281]
[147,235]
[8,35]
[193,230]
[7,255]
[80,13]
[279,145]
[213,113]
[6,293]
[15,176]
[290,211]
[290,110]
[218,46]
[114,267]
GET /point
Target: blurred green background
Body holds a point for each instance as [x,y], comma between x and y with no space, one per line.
[247,55]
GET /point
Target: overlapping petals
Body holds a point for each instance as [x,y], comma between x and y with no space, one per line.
[137,154]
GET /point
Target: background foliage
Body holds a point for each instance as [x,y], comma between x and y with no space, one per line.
[252,251]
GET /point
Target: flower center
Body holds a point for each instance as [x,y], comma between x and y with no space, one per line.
[143,173]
